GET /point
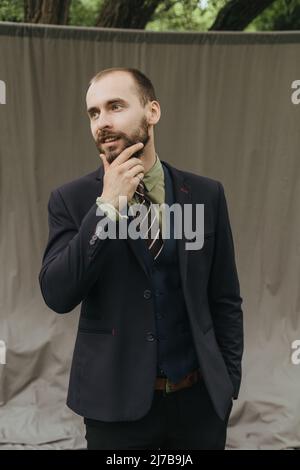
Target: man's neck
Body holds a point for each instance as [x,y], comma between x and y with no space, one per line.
[149,162]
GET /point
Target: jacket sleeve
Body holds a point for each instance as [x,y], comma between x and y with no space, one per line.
[69,265]
[224,296]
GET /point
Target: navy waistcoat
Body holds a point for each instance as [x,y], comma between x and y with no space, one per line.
[176,355]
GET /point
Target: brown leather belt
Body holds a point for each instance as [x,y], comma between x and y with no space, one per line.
[190,379]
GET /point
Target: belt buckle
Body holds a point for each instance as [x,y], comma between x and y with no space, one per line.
[168,388]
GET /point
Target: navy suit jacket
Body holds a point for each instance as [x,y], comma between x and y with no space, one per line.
[114,364]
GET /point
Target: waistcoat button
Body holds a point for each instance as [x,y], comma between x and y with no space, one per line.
[150,336]
[147,294]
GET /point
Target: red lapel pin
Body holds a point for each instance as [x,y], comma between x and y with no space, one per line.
[184,190]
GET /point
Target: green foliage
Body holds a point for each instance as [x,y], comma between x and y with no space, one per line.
[11,10]
[173,15]
[84,12]
[282,15]
[185,15]
[199,15]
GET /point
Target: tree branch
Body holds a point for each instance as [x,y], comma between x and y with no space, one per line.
[123,14]
[237,14]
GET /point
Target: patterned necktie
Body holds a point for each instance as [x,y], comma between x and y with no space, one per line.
[150,223]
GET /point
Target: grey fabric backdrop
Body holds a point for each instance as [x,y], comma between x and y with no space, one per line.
[227,114]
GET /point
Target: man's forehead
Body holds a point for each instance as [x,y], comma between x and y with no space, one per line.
[112,85]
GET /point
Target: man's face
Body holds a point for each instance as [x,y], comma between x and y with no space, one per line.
[116,112]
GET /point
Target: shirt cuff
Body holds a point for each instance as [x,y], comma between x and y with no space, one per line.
[107,208]
[110,210]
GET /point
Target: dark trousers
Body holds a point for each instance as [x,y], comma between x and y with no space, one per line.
[184,419]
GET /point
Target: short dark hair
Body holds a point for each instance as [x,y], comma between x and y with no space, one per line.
[145,88]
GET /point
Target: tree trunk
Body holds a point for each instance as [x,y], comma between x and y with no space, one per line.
[124,14]
[237,14]
[46,11]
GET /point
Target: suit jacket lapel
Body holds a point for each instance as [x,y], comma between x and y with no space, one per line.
[182,195]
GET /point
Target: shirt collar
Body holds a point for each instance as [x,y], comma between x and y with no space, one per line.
[153,175]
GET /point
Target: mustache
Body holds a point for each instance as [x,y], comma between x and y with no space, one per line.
[102,137]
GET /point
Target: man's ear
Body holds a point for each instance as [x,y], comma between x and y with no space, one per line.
[154,113]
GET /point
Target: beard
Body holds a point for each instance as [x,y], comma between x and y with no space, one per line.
[141,134]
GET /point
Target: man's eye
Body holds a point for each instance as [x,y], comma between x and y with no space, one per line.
[94,115]
[115,105]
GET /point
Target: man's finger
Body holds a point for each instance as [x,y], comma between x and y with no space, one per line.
[126,154]
[105,162]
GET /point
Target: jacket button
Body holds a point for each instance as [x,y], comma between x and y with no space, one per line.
[92,242]
[147,294]
[150,336]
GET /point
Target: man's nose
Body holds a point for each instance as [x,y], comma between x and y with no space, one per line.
[103,122]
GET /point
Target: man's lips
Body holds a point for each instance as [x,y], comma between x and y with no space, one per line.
[103,142]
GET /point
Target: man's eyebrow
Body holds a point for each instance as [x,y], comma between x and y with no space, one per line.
[111,101]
